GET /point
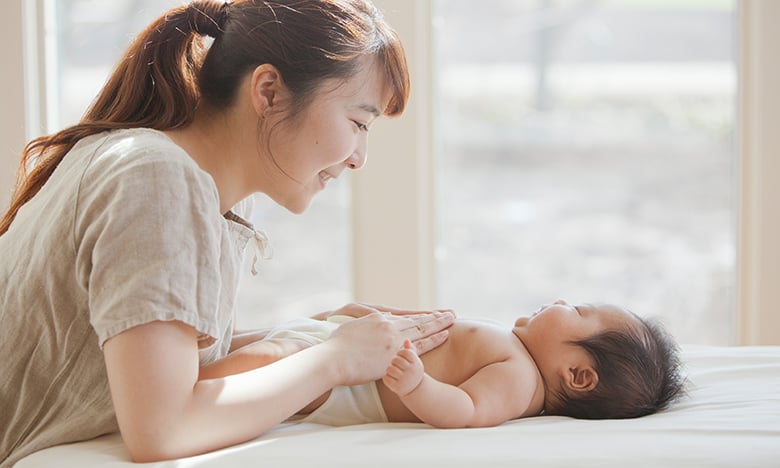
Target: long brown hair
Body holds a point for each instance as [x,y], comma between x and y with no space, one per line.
[168,70]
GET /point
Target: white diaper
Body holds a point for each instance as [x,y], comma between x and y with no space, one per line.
[309,330]
[346,406]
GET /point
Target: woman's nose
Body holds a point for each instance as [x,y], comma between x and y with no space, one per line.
[360,155]
[357,160]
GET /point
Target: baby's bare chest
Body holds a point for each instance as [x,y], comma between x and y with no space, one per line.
[471,346]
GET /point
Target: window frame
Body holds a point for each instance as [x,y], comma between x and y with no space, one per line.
[14,113]
[392,198]
[758,252]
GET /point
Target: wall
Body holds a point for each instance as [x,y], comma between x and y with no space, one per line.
[759,221]
[12,110]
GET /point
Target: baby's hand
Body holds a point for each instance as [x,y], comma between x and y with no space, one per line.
[405,371]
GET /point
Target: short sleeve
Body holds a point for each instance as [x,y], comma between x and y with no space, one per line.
[148,233]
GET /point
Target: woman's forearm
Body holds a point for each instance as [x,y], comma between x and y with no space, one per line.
[251,403]
[216,413]
[165,412]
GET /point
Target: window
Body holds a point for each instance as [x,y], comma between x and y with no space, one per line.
[311,268]
[398,232]
[86,40]
[586,151]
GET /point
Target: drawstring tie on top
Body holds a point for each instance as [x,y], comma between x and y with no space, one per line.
[262,248]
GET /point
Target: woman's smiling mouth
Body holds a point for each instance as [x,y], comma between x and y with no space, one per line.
[324,178]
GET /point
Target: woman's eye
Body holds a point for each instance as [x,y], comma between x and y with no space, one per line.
[360,126]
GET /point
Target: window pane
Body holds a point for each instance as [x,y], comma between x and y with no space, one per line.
[91,36]
[586,151]
[311,269]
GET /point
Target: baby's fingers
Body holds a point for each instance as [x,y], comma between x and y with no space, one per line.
[393,372]
[391,382]
[407,355]
[403,360]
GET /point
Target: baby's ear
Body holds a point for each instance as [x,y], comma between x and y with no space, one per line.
[581,379]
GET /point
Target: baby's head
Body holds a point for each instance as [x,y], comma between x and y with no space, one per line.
[601,361]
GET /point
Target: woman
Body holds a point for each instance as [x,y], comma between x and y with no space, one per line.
[120,251]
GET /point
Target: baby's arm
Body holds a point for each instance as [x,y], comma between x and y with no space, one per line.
[496,393]
[251,356]
[245,337]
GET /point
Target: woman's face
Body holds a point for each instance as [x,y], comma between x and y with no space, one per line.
[329,135]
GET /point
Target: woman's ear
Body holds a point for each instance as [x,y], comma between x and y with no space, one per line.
[581,379]
[267,89]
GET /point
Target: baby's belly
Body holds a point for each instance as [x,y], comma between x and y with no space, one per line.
[394,408]
[470,347]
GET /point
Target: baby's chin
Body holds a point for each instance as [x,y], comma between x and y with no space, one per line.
[523,321]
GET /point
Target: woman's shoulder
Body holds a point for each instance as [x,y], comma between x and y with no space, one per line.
[138,157]
[133,148]
[136,171]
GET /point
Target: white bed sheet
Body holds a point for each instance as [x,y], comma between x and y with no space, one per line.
[731,417]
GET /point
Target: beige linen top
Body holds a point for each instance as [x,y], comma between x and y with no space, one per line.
[127,231]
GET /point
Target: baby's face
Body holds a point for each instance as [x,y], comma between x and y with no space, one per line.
[559,323]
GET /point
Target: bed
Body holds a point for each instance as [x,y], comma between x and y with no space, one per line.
[730,417]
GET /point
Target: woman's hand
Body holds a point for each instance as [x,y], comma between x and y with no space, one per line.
[358,310]
[422,344]
[364,347]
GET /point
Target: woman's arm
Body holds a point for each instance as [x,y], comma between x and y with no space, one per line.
[165,412]
[247,351]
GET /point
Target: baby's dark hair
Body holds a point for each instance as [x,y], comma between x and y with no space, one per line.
[638,374]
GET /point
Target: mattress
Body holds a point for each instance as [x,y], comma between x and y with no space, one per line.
[730,417]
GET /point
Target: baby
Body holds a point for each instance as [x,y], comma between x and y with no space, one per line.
[590,361]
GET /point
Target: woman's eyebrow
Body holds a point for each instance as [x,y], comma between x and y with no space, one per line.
[371,109]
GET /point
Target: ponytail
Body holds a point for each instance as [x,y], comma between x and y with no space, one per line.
[154,86]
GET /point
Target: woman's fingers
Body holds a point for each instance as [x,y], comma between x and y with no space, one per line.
[350,310]
[426,331]
[397,311]
[368,344]
[423,345]
[414,327]
[358,310]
